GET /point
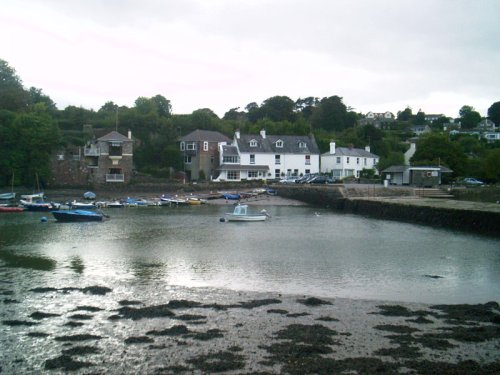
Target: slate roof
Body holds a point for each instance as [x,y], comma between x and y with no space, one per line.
[355,152]
[230,151]
[239,167]
[114,136]
[268,144]
[205,136]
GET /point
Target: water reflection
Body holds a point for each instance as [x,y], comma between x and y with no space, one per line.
[300,250]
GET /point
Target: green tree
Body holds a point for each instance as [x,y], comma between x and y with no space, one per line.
[437,149]
[331,115]
[405,115]
[469,117]
[491,166]
[494,113]
[13,97]
[278,108]
[419,118]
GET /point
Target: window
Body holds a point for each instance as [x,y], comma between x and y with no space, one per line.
[365,161]
[230,159]
[252,158]
[279,143]
[190,146]
[253,143]
[277,159]
[308,159]
[357,160]
[233,175]
[277,173]
[205,146]
[183,146]
[187,159]
[115,149]
[302,145]
[295,172]
[252,174]
[307,171]
[338,159]
[347,161]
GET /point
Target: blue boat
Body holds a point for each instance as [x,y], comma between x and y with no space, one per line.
[77,215]
[231,196]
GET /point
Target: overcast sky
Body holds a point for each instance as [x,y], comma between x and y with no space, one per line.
[379,55]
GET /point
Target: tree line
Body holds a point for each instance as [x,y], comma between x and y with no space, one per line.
[32,129]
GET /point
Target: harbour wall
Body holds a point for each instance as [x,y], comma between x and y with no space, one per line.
[399,205]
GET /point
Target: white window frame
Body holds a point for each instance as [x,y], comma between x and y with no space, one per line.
[252,158]
[253,143]
[279,143]
[183,146]
[277,159]
[205,146]
[308,159]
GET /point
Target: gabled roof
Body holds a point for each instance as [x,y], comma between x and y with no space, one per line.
[114,136]
[205,136]
[291,144]
[354,152]
[230,151]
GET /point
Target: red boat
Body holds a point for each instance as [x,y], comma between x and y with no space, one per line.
[11,209]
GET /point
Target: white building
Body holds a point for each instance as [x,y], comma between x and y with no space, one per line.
[261,157]
[347,161]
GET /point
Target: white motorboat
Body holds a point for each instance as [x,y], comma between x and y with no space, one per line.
[241,213]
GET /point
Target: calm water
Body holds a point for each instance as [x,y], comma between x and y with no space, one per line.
[296,252]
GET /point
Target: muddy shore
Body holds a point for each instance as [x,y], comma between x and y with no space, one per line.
[226,332]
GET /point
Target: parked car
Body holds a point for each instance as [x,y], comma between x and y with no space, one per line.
[289,180]
[472,182]
[307,177]
[318,180]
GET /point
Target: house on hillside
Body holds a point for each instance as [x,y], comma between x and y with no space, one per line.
[263,157]
[377,119]
[420,129]
[344,162]
[109,159]
[430,118]
[200,150]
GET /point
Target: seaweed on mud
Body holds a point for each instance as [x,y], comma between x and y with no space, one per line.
[139,340]
[297,315]
[80,317]
[327,319]
[37,334]
[28,261]
[487,312]
[176,330]
[393,310]
[87,308]
[468,334]
[191,317]
[401,351]
[420,320]
[83,337]
[66,363]
[313,301]
[81,350]
[157,311]
[43,290]
[208,335]
[39,315]
[174,369]
[396,328]
[218,362]
[14,323]
[277,311]
[443,368]
[316,333]
[257,303]
[5,292]
[182,304]
[73,324]
[97,290]
[125,302]
[9,300]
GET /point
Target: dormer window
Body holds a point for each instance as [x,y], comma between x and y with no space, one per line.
[302,145]
[253,143]
[279,143]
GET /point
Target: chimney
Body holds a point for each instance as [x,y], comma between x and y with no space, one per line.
[263,133]
[237,133]
[332,147]
[367,148]
[130,134]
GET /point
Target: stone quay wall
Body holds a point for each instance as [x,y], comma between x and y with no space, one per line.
[399,205]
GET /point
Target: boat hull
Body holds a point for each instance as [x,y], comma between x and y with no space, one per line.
[11,209]
[77,216]
[232,217]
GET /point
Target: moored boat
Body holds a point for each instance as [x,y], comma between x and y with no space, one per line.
[7,196]
[241,213]
[82,205]
[77,215]
[11,209]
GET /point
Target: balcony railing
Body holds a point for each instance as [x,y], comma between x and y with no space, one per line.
[115,177]
[91,151]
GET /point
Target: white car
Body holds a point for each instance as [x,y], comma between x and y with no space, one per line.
[289,180]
